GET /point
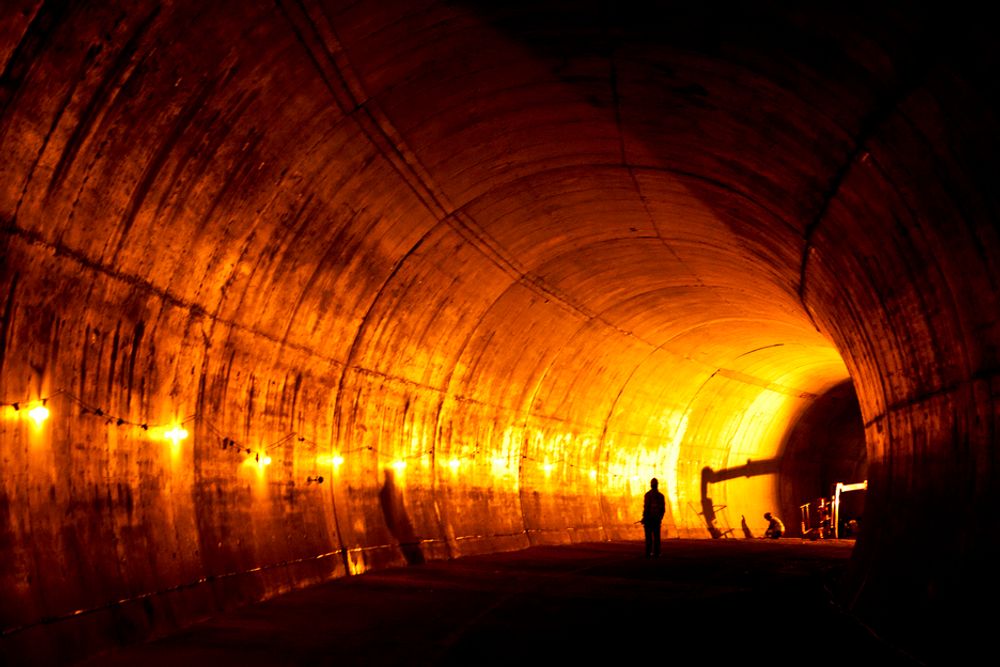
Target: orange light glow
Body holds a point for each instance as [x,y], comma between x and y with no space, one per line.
[454,464]
[336,460]
[400,466]
[256,465]
[548,468]
[39,414]
[175,434]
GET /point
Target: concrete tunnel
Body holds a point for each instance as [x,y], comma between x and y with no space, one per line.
[485,268]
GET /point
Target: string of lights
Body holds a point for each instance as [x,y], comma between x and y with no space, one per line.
[174,431]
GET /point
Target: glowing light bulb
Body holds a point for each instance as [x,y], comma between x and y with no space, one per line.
[593,474]
[400,466]
[454,463]
[176,434]
[548,468]
[39,414]
[337,460]
[265,460]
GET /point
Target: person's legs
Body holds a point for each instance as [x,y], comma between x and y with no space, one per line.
[649,539]
[656,541]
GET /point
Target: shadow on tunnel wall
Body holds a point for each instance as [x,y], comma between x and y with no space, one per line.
[398,521]
[709,476]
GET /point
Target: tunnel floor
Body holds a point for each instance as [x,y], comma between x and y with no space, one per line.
[708,602]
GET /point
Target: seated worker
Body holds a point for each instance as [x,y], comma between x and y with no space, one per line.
[775,528]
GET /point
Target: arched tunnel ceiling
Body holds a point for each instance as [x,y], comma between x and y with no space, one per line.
[610,241]
[245,191]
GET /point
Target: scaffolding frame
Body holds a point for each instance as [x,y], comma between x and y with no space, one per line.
[839,489]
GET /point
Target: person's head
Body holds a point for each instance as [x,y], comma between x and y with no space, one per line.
[653,483]
[767,515]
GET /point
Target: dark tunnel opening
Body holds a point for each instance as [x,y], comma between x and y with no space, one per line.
[826,446]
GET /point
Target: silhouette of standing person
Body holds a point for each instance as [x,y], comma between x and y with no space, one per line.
[653,508]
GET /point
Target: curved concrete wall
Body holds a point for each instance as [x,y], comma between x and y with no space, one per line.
[485,272]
